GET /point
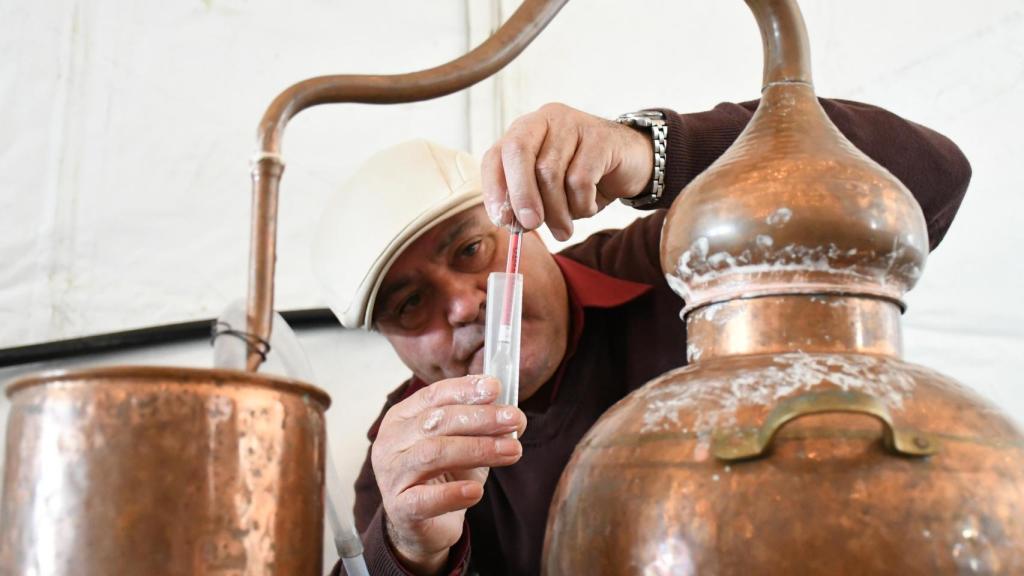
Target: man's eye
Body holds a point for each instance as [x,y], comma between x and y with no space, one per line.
[470,250]
[473,256]
[409,305]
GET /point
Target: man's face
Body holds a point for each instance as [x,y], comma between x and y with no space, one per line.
[430,305]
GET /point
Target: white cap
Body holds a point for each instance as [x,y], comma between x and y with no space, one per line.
[393,199]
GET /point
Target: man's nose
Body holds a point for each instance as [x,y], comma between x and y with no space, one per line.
[466,303]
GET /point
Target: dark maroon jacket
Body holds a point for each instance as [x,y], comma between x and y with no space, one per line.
[620,344]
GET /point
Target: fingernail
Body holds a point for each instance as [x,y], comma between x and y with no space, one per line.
[506,415]
[468,491]
[528,218]
[506,446]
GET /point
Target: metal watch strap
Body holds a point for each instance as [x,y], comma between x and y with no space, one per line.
[655,121]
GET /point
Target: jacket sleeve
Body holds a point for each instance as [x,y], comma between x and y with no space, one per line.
[929,164]
[369,514]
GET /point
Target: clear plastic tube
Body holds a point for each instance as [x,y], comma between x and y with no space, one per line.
[502,333]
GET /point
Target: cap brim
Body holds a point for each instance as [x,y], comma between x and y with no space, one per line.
[361,313]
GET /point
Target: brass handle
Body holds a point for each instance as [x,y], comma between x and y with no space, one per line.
[745,443]
[492,55]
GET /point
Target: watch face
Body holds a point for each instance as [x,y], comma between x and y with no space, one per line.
[643,118]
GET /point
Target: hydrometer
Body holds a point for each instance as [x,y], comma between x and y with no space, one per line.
[504,317]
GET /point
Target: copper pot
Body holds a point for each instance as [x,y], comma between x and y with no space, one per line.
[796,441]
[799,463]
[163,471]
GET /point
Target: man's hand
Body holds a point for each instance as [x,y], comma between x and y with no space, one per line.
[431,458]
[559,164]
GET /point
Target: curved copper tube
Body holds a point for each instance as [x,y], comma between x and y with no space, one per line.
[787,52]
[486,59]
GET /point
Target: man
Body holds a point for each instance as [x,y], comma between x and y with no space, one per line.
[406,249]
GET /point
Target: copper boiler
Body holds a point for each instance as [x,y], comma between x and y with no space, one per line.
[162,471]
[796,441]
[136,470]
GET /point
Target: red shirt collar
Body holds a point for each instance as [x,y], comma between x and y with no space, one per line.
[587,288]
[594,289]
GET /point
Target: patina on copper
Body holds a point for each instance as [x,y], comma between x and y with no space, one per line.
[796,441]
[146,470]
[170,471]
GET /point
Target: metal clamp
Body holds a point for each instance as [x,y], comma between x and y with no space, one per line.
[746,443]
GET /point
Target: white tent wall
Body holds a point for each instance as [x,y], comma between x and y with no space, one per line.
[128,133]
[128,128]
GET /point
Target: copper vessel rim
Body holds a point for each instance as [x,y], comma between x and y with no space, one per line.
[809,292]
[131,374]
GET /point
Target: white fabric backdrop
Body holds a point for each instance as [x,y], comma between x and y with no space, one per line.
[128,128]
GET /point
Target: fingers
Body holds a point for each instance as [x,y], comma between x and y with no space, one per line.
[426,501]
[559,164]
[472,421]
[492,174]
[431,457]
[519,152]
[472,389]
[587,167]
[552,162]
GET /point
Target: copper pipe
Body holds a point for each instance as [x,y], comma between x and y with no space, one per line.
[787,52]
[483,61]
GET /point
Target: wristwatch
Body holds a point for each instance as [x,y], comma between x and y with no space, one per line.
[655,121]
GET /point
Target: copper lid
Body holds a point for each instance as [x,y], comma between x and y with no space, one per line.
[792,207]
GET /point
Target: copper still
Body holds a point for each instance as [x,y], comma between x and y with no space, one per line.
[796,441]
[135,470]
[168,471]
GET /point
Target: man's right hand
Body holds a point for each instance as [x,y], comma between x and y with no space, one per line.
[559,164]
[431,458]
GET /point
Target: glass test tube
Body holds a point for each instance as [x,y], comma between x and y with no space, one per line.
[502,332]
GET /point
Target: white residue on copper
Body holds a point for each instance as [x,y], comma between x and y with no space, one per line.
[708,313]
[830,301]
[693,352]
[718,314]
[779,218]
[698,252]
[679,287]
[696,267]
[672,558]
[973,552]
[714,402]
